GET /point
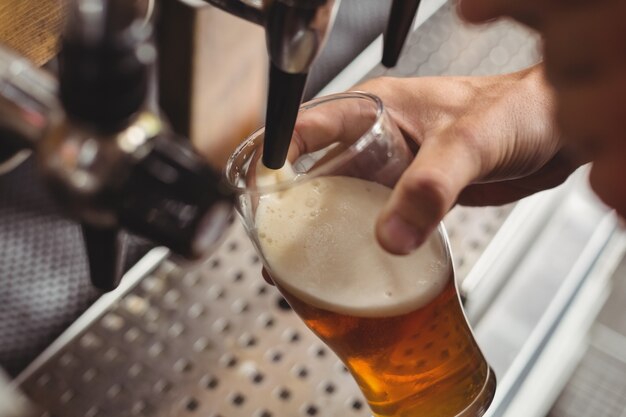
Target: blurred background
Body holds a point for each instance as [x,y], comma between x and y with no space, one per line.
[542,280]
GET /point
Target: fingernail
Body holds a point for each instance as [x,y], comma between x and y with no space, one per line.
[401,236]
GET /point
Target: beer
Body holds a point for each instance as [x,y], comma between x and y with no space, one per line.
[395,321]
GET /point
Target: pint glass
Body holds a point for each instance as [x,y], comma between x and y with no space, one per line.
[395,321]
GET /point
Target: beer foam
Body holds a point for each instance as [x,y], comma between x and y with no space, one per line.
[318,238]
[267,176]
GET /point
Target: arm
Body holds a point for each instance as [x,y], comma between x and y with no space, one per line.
[585,59]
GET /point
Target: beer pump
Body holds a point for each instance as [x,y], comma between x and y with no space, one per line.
[108,157]
[295,32]
[113,163]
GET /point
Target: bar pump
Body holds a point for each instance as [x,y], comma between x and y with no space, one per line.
[295,33]
[108,158]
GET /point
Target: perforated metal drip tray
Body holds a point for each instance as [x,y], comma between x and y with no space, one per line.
[210,340]
[214,340]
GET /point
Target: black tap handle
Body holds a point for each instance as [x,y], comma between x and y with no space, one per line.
[104,64]
[284,98]
[105,253]
[400,20]
[174,198]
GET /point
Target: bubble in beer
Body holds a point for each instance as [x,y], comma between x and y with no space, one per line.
[266,176]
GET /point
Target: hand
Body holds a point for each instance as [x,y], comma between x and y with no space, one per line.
[585,60]
[482,141]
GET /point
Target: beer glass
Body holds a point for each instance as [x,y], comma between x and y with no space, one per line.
[395,321]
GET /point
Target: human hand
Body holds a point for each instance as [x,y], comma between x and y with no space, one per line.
[482,141]
[585,60]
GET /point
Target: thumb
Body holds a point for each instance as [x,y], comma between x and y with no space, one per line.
[425,192]
[476,11]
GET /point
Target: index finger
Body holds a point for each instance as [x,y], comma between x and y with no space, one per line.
[528,12]
[327,121]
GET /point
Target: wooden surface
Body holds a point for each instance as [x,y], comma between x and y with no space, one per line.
[31,27]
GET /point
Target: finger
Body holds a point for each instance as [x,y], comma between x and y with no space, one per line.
[478,11]
[552,174]
[533,13]
[425,193]
[593,115]
[585,42]
[528,12]
[335,121]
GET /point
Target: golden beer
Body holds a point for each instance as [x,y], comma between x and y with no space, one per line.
[424,363]
[395,321]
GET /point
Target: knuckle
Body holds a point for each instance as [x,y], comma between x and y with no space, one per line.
[465,134]
[469,139]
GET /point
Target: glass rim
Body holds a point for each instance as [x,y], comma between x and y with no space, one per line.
[367,137]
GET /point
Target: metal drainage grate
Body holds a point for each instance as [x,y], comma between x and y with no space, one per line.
[596,388]
[213,340]
[210,340]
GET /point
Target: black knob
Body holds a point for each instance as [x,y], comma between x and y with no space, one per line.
[400,19]
[283,102]
[105,254]
[174,198]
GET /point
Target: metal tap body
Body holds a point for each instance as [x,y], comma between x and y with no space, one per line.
[295,33]
[110,160]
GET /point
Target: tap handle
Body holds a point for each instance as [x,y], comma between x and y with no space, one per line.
[105,254]
[295,31]
[174,198]
[106,55]
[283,102]
[400,20]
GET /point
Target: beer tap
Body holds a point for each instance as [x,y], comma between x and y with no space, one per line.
[295,33]
[401,18]
[110,160]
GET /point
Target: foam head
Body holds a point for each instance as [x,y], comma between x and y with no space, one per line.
[318,239]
